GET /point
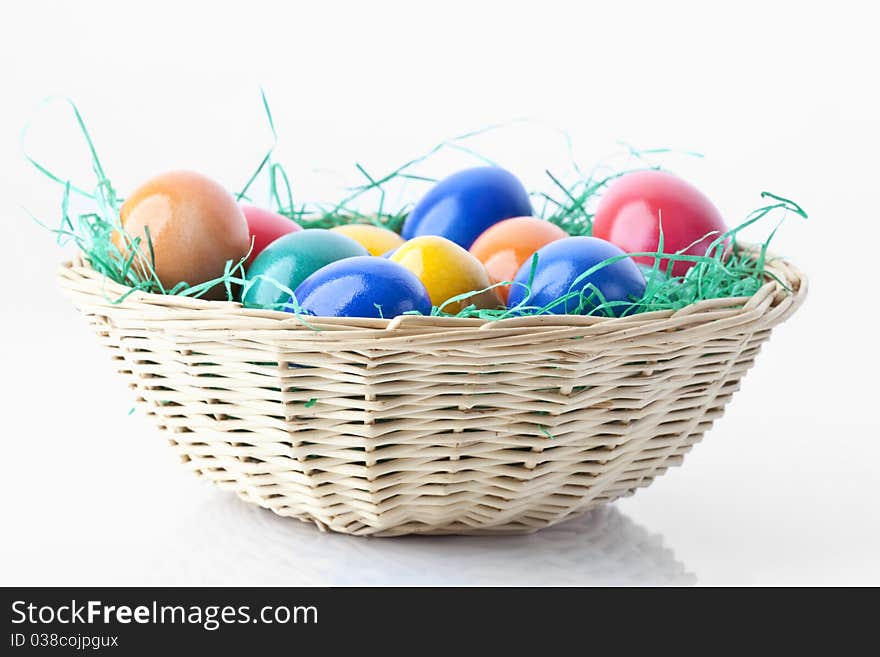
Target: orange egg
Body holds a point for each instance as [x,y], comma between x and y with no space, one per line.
[505,246]
[195,226]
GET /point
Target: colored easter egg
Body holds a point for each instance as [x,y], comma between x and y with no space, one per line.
[195,226]
[265,227]
[560,269]
[630,210]
[291,259]
[446,270]
[362,287]
[505,246]
[375,239]
[465,204]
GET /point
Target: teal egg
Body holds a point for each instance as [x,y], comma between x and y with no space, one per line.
[291,259]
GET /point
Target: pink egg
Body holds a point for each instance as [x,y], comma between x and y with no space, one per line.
[265,226]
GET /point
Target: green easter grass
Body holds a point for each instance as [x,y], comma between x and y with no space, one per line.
[725,271]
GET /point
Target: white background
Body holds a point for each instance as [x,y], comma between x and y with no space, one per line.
[780,97]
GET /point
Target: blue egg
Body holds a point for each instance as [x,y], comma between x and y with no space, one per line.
[562,262]
[363,286]
[466,203]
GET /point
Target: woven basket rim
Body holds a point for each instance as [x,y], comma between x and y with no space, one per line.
[78,275]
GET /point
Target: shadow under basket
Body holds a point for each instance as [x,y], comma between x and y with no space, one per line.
[428,425]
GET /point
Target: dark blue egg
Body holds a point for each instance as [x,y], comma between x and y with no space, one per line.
[364,286]
[560,265]
[466,203]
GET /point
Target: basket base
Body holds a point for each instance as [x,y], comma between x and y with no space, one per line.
[528,522]
[545,499]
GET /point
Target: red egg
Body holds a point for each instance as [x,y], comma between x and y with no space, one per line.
[630,211]
[265,227]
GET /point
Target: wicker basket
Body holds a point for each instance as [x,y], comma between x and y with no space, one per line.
[430,425]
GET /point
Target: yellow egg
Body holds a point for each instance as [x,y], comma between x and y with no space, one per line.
[447,270]
[374,239]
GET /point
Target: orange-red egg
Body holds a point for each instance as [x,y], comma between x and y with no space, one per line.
[505,246]
[195,226]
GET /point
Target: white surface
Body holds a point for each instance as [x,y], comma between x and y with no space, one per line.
[784,490]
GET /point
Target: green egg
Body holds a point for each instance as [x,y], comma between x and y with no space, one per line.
[291,259]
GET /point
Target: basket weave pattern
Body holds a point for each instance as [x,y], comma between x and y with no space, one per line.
[430,425]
